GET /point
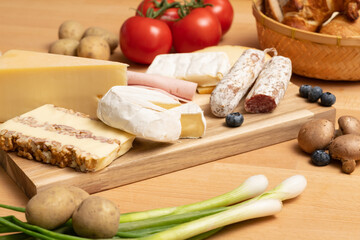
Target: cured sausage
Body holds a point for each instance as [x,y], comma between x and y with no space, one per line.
[236,83]
[270,86]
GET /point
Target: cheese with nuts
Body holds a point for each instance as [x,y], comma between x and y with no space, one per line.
[31,79]
[65,138]
[205,69]
[150,114]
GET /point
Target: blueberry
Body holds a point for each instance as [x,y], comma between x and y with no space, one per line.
[320,158]
[304,90]
[314,94]
[327,99]
[234,119]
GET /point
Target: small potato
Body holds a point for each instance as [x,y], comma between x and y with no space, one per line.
[50,208]
[316,134]
[94,47]
[111,38]
[96,217]
[79,195]
[65,46]
[71,29]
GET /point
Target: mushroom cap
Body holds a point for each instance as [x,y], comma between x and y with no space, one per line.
[315,135]
[345,147]
[349,124]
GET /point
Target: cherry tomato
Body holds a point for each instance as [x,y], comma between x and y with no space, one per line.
[142,39]
[199,29]
[223,11]
[169,16]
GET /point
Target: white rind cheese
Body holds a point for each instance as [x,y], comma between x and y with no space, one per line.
[205,69]
[150,114]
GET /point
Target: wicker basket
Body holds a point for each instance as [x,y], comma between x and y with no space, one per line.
[312,54]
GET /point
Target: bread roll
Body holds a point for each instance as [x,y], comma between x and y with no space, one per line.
[341,26]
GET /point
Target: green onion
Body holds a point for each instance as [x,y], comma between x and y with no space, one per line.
[18,209]
[260,208]
[252,187]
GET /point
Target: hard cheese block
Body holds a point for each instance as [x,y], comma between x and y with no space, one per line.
[31,79]
[65,138]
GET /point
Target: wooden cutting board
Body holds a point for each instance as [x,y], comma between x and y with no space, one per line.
[148,159]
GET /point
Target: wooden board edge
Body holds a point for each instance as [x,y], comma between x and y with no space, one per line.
[17,174]
[176,162]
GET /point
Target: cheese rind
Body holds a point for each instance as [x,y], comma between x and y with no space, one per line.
[139,111]
[31,79]
[205,69]
[65,138]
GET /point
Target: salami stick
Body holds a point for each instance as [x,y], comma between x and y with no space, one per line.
[270,86]
[236,83]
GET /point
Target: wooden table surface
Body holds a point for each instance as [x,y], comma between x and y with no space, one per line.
[329,207]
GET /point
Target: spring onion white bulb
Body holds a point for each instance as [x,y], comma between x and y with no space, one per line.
[287,189]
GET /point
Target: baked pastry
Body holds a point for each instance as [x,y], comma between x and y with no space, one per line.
[309,15]
[341,26]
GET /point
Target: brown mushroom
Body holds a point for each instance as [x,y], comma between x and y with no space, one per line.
[315,135]
[349,124]
[346,148]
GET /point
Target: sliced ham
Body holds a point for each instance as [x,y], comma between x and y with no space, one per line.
[179,88]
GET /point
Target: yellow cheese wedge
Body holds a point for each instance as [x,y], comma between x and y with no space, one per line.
[31,79]
[65,138]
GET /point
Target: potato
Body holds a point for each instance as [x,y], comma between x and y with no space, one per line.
[111,38]
[96,217]
[71,29]
[316,135]
[65,46]
[50,208]
[79,195]
[94,47]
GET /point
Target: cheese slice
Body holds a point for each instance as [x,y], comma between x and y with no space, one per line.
[65,138]
[150,114]
[31,79]
[205,69]
[232,51]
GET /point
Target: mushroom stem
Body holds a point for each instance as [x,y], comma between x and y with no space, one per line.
[348,166]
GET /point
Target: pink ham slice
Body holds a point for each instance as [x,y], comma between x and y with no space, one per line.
[179,88]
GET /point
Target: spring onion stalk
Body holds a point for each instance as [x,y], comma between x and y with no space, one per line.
[16,236]
[166,220]
[34,230]
[253,186]
[260,208]
[289,188]
[144,232]
[18,209]
[205,234]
